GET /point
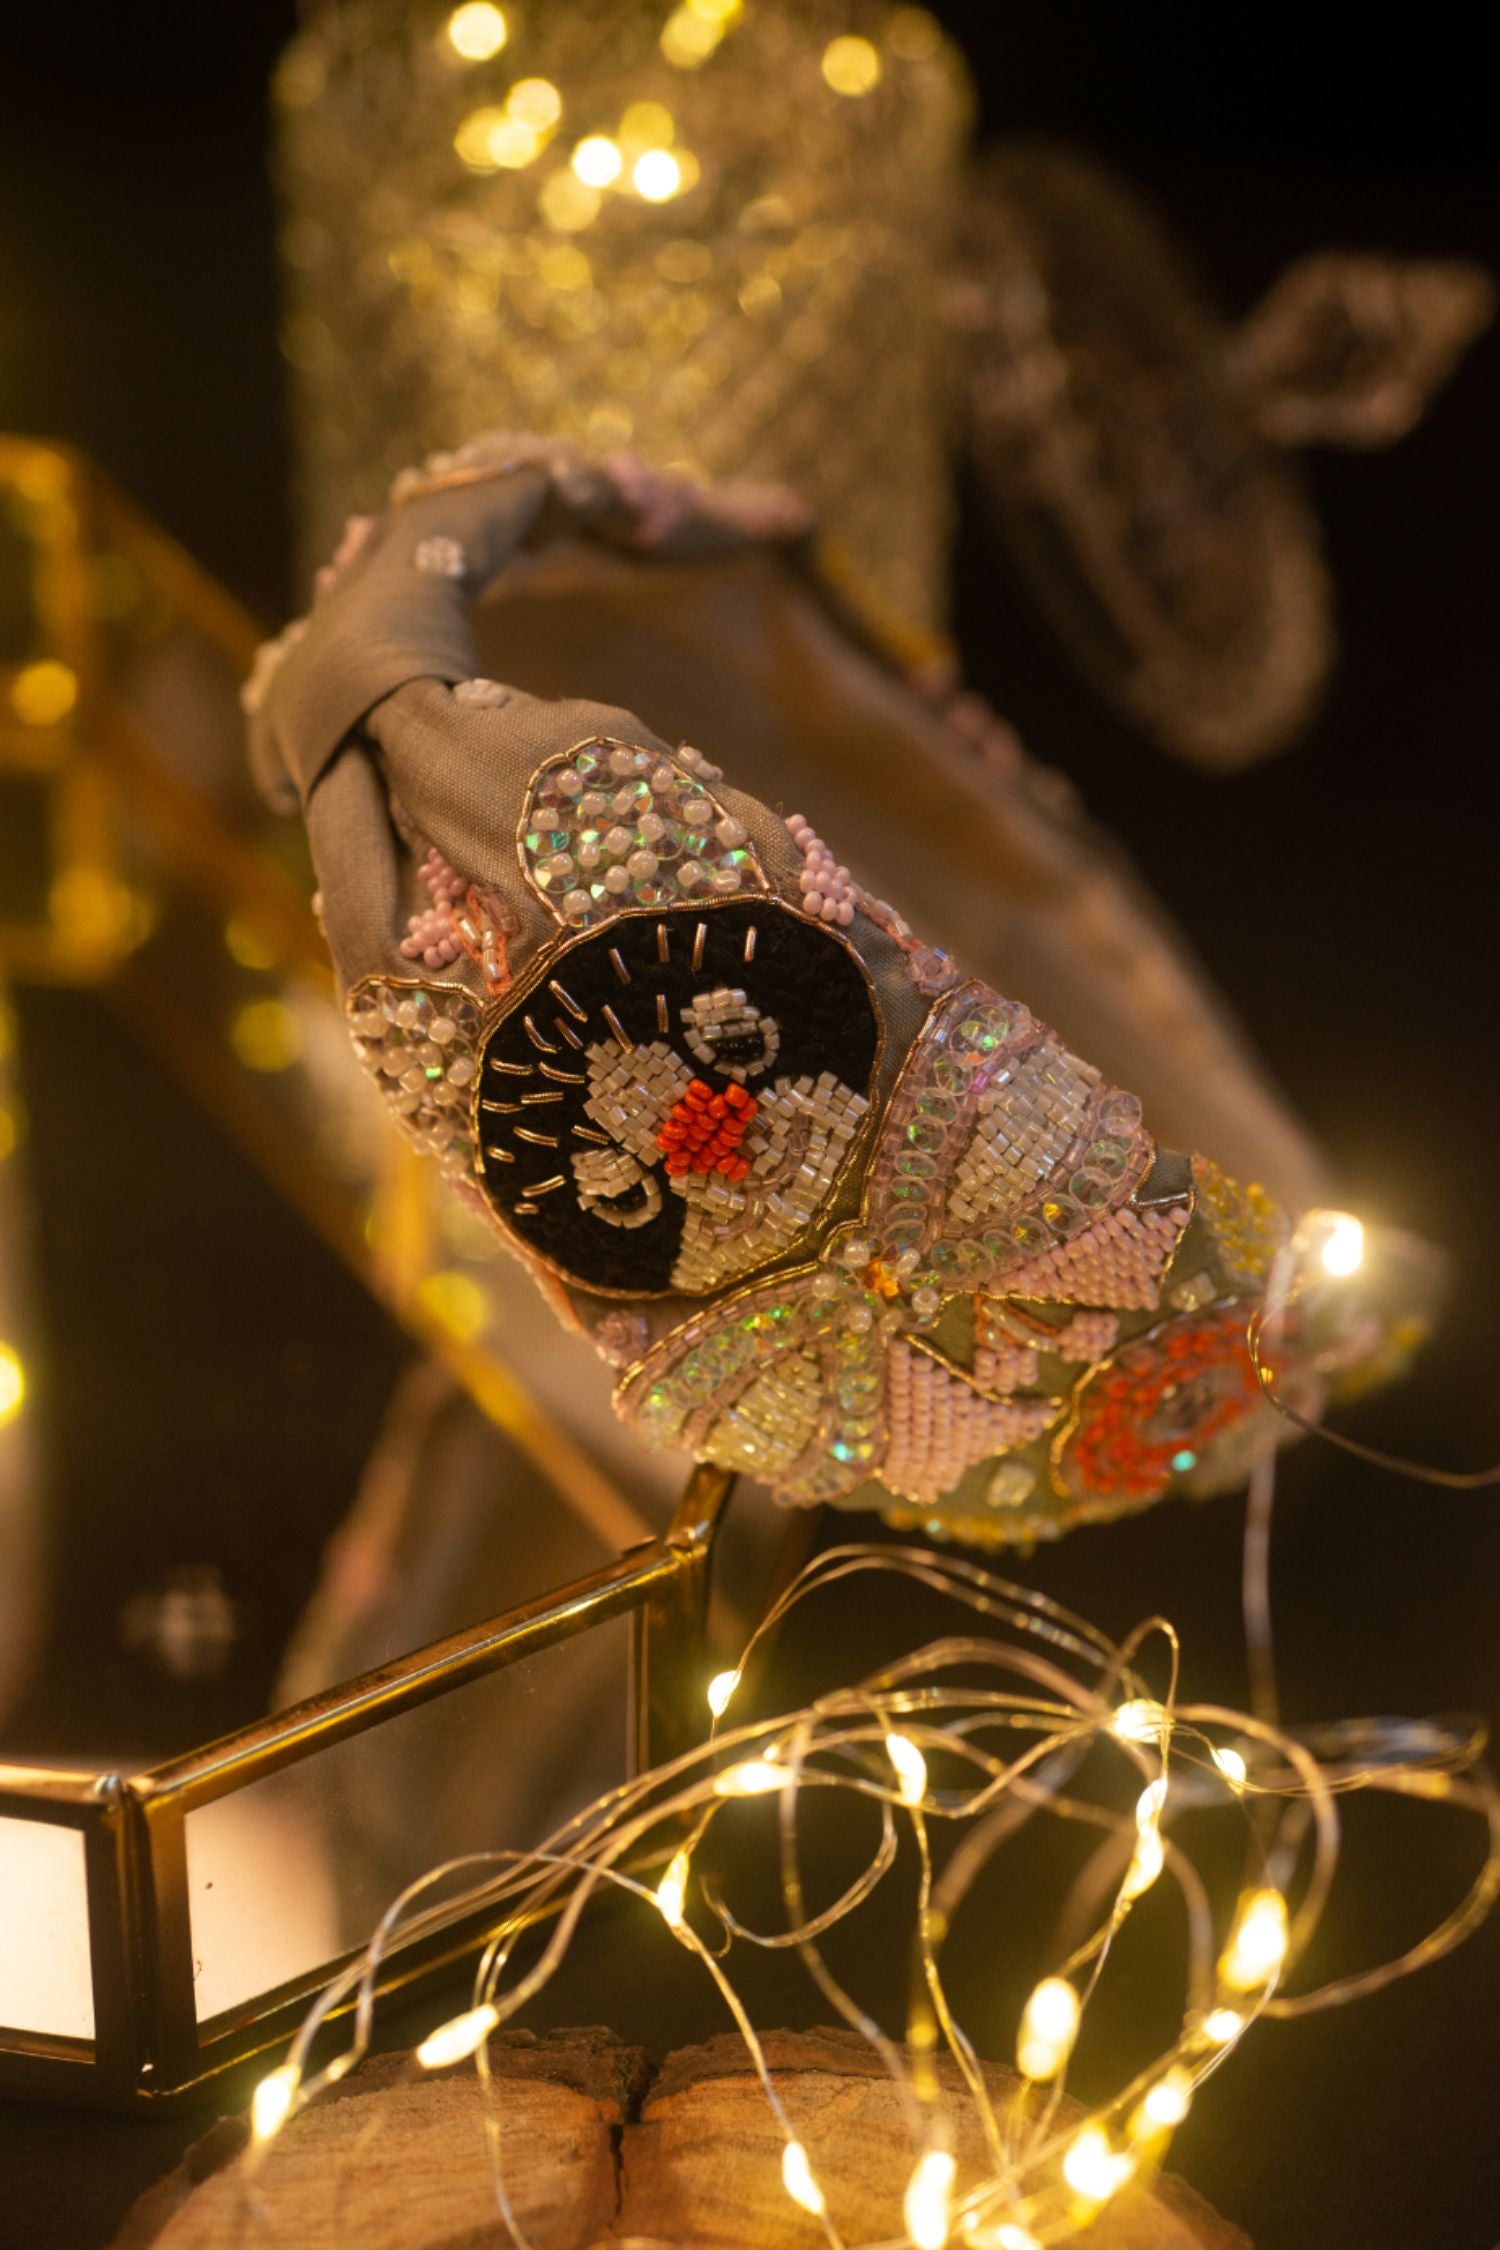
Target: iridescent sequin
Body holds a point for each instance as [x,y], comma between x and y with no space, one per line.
[609,827]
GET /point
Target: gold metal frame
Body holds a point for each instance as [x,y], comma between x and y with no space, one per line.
[130,847]
[149,2047]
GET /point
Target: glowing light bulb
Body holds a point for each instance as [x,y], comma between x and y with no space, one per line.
[927,2205]
[1257,1944]
[1343,1250]
[12,1384]
[1169,2100]
[910,1765]
[657,176]
[1222,2026]
[1142,1719]
[477,30]
[1012,2237]
[597,161]
[720,1688]
[1093,2169]
[1146,1865]
[851,65]
[271,2103]
[671,1891]
[1148,1805]
[757,1777]
[797,2179]
[1049,2026]
[1232,1766]
[452,2041]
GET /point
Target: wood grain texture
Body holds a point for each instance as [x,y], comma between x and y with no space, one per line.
[599,2151]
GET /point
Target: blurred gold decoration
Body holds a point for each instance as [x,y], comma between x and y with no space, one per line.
[136,859]
[705,233]
[135,856]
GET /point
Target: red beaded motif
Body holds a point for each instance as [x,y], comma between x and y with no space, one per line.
[1151,1413]
[704,1130]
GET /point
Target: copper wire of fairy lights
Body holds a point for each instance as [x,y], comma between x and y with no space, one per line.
[969,1739]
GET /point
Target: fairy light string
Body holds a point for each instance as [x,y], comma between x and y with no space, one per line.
[958,1746]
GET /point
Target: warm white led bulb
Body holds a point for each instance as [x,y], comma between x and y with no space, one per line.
[797,2178]
[720,1688]
[1343,1250]
[1169,2100]
[671,1891]
[927,2205]
[910,1765]
[757,1777]
[452,2041]
[1142,1719]
[1049,2026]
[1257,1944]
[271,2103]
[1094,2170]
[1232,1766]
[1146,1864]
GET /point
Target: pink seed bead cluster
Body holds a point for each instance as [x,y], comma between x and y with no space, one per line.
[828,890]
[1118,1260]
[431,935]
[940,1427]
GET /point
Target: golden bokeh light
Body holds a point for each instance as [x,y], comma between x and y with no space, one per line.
[567,202]
[266,1035]
[534,102]
[851,65]
[647,125]
[246,943]
[477,31]
[43,694]
[597,161]
[657,175]
[913,35]
[456,1303]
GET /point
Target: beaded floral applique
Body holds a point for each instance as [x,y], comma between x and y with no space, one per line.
[420,1044]
[673,1101]
[992,1352]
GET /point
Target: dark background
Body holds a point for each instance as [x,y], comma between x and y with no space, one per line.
[1344,896]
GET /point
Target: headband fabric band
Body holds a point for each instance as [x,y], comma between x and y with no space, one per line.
[840,1215]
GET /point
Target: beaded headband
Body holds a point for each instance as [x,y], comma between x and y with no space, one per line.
[841,1216]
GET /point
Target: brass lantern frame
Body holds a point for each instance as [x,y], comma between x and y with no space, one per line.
[142,857]
[149,2048]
